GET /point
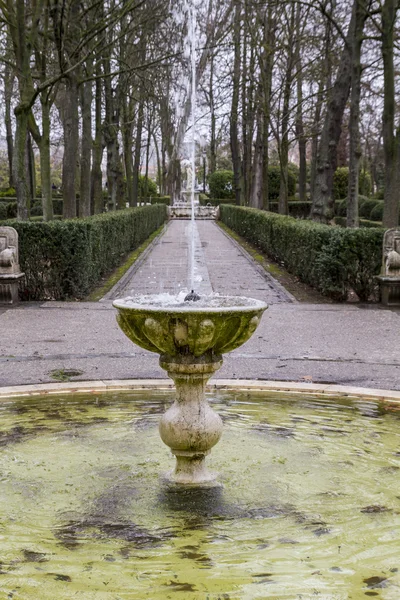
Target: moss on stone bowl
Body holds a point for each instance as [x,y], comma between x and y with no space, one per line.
[167,325]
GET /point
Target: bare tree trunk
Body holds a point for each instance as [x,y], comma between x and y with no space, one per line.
[138,149]
[159,167]
[45,171]
[213,144]
[97,200]
[354,125]
[302,142]
[391,146]
[8,92]
[283,206]
[234,117]
[19,164]
[71,145]
[256,193]
[323,200]
[86,97]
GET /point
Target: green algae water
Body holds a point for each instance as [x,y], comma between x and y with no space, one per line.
[309,509]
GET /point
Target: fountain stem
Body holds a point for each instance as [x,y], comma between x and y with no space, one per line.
[190,427]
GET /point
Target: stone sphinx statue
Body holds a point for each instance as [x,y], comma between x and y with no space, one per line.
[389,279]
[10,272]
[391,253]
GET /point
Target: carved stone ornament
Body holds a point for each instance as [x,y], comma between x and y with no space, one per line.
[389,279]
[10,272]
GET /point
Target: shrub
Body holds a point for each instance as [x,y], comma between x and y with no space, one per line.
[151,186]
[36,210]
[380,195]
[366,207]
[299,210]
[365,183]
[221,185]
[274,182]
[377,212]
[161,200]
[3,211]
[9,193]
[341,183]
[11,210]
[66,259]
[342,221]
[341,205]
[214,201]
[331,259]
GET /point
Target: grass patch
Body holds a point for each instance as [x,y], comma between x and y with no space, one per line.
[301,291]
[120,271]
[64,374]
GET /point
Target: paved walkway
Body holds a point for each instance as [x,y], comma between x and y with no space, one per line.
[326,343]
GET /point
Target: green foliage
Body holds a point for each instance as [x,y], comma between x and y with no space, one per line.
[205,201]
[299,210]
[221,185]
[274,182]
[366,207]
[365,183]
[377,212]
[161,200]
[341,206]
[9,193]
[151,186]
[331,259]
[3,211]
[11,210]
[341,183]
[380,195]
[342,221]
[66,259]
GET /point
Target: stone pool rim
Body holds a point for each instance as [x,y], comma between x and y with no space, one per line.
[242,385]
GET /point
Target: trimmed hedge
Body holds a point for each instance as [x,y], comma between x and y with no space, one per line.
[9,209]
[9,193]
[161,200]
[341,205]
[66,259]
[331,259]
[342,221]
[299,210]
[214,201]
[377,212]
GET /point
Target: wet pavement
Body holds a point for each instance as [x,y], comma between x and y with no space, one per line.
[327,343]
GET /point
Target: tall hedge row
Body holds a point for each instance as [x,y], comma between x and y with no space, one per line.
[331,259]
[66,259]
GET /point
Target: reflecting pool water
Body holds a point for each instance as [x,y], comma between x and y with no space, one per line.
[310,506]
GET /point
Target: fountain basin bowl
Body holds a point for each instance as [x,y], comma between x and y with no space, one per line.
[165,324]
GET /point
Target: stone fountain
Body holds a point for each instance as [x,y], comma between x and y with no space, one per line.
[190,337]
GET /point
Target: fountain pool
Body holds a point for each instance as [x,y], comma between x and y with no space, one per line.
[310,506]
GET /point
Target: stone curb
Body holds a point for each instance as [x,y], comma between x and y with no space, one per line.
[278,286]
[111,294]
[218,384]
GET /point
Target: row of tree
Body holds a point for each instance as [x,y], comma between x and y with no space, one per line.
[112,79]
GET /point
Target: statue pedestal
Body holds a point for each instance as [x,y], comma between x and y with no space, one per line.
[9,288]
[190,427]
[390,290]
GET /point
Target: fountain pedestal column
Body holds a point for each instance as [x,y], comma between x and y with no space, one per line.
[190,427]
